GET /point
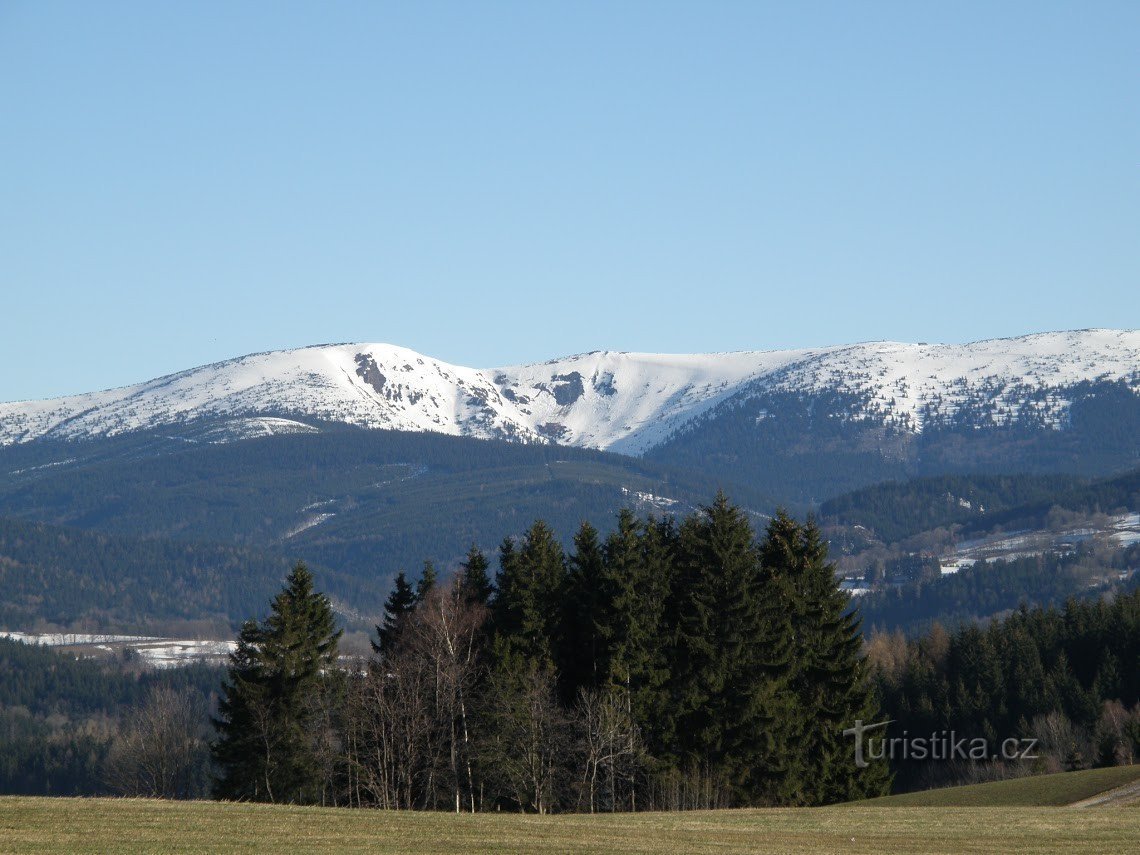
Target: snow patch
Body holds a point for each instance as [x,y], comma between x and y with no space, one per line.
[623,402]
[152,650]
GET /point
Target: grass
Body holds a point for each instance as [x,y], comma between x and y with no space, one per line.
[1063,788]
[129,826]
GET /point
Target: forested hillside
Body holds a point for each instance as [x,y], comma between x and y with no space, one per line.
[896,510]
[990,588]
[61,718]
[366,503]
[1065,677]
[75,579]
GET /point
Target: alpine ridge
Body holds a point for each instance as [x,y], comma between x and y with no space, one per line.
[623,402]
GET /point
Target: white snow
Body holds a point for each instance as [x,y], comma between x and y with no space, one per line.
[309,522]
[1127,529]
[649,498]
[625,402]
[1124,530]
[153,650]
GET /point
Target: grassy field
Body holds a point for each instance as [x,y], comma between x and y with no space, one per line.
[127,826]
[1037,791]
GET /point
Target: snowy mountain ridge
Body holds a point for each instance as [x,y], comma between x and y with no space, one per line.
[623,402]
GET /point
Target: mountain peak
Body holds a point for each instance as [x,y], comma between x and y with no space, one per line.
[626,402]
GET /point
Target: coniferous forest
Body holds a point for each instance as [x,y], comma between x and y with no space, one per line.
[1068,679]
[666,666]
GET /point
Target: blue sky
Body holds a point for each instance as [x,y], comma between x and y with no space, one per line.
[495,183]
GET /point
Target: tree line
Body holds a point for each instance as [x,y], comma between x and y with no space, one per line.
[896,510]
[75,578]
[668,665]
[71,727]
[998,586]
[1068,677]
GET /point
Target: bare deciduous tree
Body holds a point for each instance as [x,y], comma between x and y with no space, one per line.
[445,633]
[609,747]
[528,744]
[1116,731]
[409,730]
[160,749]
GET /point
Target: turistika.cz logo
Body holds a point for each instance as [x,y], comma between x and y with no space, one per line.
[944,745]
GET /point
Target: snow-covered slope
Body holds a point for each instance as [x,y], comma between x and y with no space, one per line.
[626,402]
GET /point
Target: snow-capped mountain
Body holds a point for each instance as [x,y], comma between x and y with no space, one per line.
[624,402]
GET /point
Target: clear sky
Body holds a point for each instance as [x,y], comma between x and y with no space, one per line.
[494,183]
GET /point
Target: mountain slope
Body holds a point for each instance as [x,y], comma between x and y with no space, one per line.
[625,402]
[69,577]
[366,503]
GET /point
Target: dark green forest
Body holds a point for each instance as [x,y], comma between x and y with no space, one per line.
[80,579]
[175,517]
[1067,677]
[366,503]
[664,666]
[64,721]
[897,510]
[992,587]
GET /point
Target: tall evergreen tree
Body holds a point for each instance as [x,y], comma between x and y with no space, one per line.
[530,586]
[265,750]
[828,676]
[475,579]
[401,600]
[635,585]
[731,667]
[426,582]
[650,699]
[582,652]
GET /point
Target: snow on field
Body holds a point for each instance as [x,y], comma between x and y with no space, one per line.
[656,501]
[1127,529]
[60,639]
[152,650]
[626,402]
[951,566]
[1123,530]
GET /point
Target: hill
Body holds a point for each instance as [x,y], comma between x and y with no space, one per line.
[895,510]
[365,503]
[71,578]
[978,503]
[1063,788]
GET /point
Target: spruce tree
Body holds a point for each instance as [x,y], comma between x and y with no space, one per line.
[524,720]
[731,661]
[475,579]
[582,652]
[265,749]
[426,582]
[636,584]
[399,604]
[829,672]
[650,702]
[530,587]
